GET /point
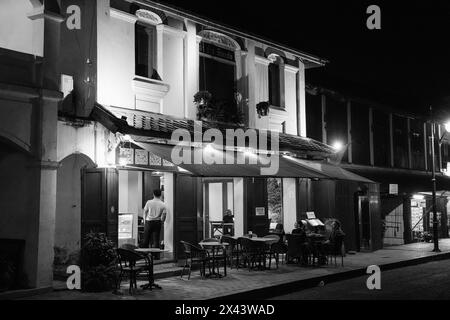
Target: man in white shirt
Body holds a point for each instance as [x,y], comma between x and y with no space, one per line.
[155,212]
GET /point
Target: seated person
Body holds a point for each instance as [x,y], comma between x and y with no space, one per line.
[299,228]
[228,218]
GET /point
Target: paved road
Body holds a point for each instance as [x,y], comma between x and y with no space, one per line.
[424,281]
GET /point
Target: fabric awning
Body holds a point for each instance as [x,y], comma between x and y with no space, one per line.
[330,170]
[289,167]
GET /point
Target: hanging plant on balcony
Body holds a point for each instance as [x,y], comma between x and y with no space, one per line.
[204,108]
[262,109]
[210,109]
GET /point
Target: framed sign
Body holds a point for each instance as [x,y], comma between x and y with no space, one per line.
[141,157]
[260,211]
[310,215]
[393,188]
[125,226]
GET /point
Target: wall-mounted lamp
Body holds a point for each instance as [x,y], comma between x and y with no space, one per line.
[418,197]
[338,145]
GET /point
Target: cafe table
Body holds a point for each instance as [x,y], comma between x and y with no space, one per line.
[213,246]
[150,252]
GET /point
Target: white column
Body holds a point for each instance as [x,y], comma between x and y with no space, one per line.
[301,99]
[261,90]
[169,200]
[238,206]
[47,199]
[289,204]
[250,71]
[191,70]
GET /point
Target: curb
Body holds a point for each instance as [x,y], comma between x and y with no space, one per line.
[23,293]
[293,286]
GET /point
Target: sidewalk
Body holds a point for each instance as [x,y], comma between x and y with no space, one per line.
[242,284]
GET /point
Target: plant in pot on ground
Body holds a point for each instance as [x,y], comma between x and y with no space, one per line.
[7,273]
[98,263]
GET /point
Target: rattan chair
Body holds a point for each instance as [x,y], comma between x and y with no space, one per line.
[233,250]
[193,255]
[132,263]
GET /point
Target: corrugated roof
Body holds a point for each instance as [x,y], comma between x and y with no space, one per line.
[161,126]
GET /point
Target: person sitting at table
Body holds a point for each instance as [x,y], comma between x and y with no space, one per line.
[228,218]
[301,231]
[299,228]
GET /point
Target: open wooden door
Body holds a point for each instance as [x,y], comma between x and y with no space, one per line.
[99,202]
[257,209]
[188,211]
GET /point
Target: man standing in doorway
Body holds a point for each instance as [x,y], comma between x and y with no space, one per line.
[155,212]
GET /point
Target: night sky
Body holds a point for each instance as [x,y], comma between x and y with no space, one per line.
[406,64]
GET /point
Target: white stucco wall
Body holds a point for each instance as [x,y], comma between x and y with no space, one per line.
[17,31]
[173,71]
[91,140]
[115,56]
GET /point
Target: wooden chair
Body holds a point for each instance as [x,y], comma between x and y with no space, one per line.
[195,254]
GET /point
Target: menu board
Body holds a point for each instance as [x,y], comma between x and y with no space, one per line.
[125,226]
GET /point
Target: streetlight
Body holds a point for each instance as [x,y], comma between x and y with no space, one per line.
[433,178]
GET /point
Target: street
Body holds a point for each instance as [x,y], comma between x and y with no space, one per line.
[424,281]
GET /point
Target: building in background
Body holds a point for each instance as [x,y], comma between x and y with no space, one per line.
[391,147]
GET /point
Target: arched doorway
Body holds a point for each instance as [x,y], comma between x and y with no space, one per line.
[68,206]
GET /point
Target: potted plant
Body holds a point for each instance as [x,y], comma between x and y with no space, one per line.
[7,274]
[98,262]
[204,107]
[262,109]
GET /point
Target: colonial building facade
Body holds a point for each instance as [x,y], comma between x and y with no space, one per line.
[87,111]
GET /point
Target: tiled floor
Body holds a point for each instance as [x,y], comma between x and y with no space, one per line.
[239,281]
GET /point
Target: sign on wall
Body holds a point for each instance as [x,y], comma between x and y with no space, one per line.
[260,211]
[140,157]
[393,188]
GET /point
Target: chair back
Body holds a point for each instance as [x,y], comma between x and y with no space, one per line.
[128,257]
[278,247]
[129,246]
[337,244]
[294,245]
[228,239]
[210,240]
[275,237]
[191,250]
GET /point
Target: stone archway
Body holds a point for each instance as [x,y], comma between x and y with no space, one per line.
[68,207]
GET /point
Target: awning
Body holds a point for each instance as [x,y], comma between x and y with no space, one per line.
[330,170]
[289,167]
[408,181]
